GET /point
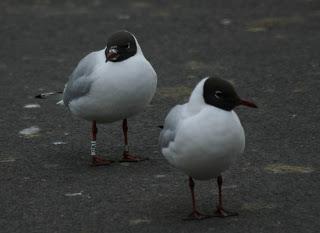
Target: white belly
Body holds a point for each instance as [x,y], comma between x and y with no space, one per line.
[206,144]
[116,97]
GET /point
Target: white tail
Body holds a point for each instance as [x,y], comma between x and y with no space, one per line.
[60,102]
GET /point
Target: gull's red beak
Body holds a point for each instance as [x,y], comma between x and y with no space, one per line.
[112,55]
[248,104]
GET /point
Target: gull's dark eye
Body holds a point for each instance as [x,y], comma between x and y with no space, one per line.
[126,46]
[218,94]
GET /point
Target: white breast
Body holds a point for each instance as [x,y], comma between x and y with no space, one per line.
[206,143]
[120,90]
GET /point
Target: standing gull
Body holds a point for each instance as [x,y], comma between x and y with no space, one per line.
[204,136]
[111,85]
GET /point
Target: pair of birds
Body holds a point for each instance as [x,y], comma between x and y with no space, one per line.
[201,137]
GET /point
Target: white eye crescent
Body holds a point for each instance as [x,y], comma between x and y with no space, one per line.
[218,94]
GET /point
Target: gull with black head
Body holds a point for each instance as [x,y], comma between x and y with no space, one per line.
[111,85]
[204,136]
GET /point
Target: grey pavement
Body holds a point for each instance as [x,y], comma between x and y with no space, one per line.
[268,49]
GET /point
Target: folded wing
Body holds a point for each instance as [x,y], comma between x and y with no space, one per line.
[168,132]
[79,82]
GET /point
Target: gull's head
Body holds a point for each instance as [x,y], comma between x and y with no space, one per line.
[221,94]
[120,46]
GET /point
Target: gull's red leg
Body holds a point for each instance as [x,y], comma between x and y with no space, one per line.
[195,214]
[221,212]
[96,160]
[126,157]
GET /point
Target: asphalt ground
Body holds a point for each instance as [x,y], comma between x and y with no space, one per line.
[268,49]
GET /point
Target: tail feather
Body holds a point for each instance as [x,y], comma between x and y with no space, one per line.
[60,102]
[57,94]
[46,94]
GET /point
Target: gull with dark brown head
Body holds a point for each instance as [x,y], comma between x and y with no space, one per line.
[204,136]
[111,85]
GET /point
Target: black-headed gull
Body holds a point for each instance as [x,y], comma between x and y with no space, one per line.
[204,136]
[111,85]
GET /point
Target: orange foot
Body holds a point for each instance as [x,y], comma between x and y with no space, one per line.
[126,157]
[98,161]
[195,215]
[220,212]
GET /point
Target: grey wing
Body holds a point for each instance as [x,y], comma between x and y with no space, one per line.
[168,132]
[79,84]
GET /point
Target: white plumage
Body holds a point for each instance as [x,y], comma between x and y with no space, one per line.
[200,139]
[111,85]
[110,91]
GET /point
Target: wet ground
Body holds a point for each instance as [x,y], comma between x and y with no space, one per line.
[268,49]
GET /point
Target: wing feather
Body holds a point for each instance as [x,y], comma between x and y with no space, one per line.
[168,132]
[79,82]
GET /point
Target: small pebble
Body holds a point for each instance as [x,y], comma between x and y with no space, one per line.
[73,194]
[32,106]
[225,21]
[30,132]
[59,143]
